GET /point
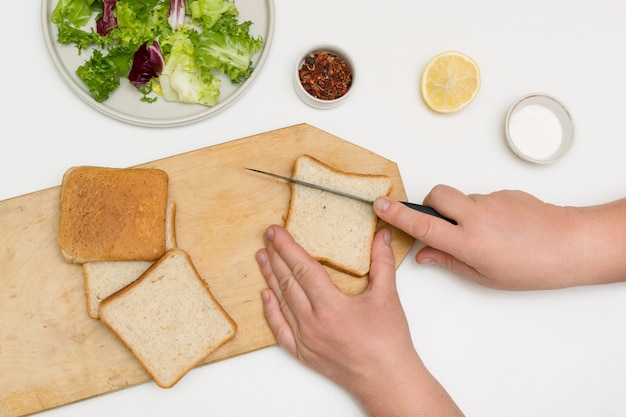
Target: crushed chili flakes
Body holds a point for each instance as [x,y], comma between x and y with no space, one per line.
[325,76]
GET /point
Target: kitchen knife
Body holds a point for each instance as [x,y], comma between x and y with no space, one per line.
[414,206]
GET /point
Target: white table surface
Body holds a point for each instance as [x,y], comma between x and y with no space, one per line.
[555,353]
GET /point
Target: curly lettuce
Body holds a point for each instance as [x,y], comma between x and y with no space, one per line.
[209,12]
[183,80]
[198,38]
[70,16]
[102,73]
[229,47]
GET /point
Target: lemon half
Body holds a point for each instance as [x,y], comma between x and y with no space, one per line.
[450,82]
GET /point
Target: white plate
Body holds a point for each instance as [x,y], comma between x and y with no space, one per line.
[124,104]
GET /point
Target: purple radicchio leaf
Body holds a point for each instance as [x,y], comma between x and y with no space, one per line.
[176,14]
[107,20]
[148,63]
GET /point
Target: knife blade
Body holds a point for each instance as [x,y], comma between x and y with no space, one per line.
[417,207]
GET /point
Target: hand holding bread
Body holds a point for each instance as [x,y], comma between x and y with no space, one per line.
[361,342]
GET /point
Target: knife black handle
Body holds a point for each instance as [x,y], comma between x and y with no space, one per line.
[427,210]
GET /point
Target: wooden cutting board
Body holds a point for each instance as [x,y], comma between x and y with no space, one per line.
[52,353]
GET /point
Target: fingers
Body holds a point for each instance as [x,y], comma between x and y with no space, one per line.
[277,322]
[383,266]
[429,255]
[428,229]
[294,267]
[299,283]
[277,312]
[279,273]
[449,201]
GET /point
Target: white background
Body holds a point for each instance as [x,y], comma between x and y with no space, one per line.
[543,354]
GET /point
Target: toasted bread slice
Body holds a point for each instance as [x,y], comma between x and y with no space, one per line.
[337,231]
[105,278]
[112,214]
[168,318]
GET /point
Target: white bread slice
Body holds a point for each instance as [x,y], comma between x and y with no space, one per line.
[168,318]
[105,278]
[112,214]
[337,231]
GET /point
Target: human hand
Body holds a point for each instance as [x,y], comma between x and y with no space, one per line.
[360,342]
[505,240]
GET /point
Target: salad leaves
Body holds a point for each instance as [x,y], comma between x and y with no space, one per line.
[174,48]
[209,12]
[102,73]
[148,63]
[107,19]
[176,15]
[183,79]
[228,46]
[70,16]
[73,12]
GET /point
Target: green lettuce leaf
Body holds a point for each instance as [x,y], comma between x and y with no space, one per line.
[182,79]
[102,73]
[209,12]
[229,47]
[73,12]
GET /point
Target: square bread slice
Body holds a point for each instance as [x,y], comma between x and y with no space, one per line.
[335,230]
[168,318]
[105,278]
[112,214]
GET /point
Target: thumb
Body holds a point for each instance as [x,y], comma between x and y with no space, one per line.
[383,266]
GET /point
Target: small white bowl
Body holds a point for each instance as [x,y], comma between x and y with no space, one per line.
[539,128]
[308,98]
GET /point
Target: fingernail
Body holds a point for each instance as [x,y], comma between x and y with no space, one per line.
[265,295]
[427,261]
[269,234]
[387,236]
[261,258]
[381,204]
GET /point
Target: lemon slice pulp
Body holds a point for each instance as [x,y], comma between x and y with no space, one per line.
[450,82]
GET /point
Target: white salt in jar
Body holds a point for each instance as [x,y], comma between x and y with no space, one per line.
[539,129]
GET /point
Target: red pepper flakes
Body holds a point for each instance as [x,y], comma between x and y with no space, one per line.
[325,75]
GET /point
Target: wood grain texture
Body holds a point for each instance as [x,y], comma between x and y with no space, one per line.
[52,353]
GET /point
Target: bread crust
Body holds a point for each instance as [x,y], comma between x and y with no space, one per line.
[113,214]
[171,330]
